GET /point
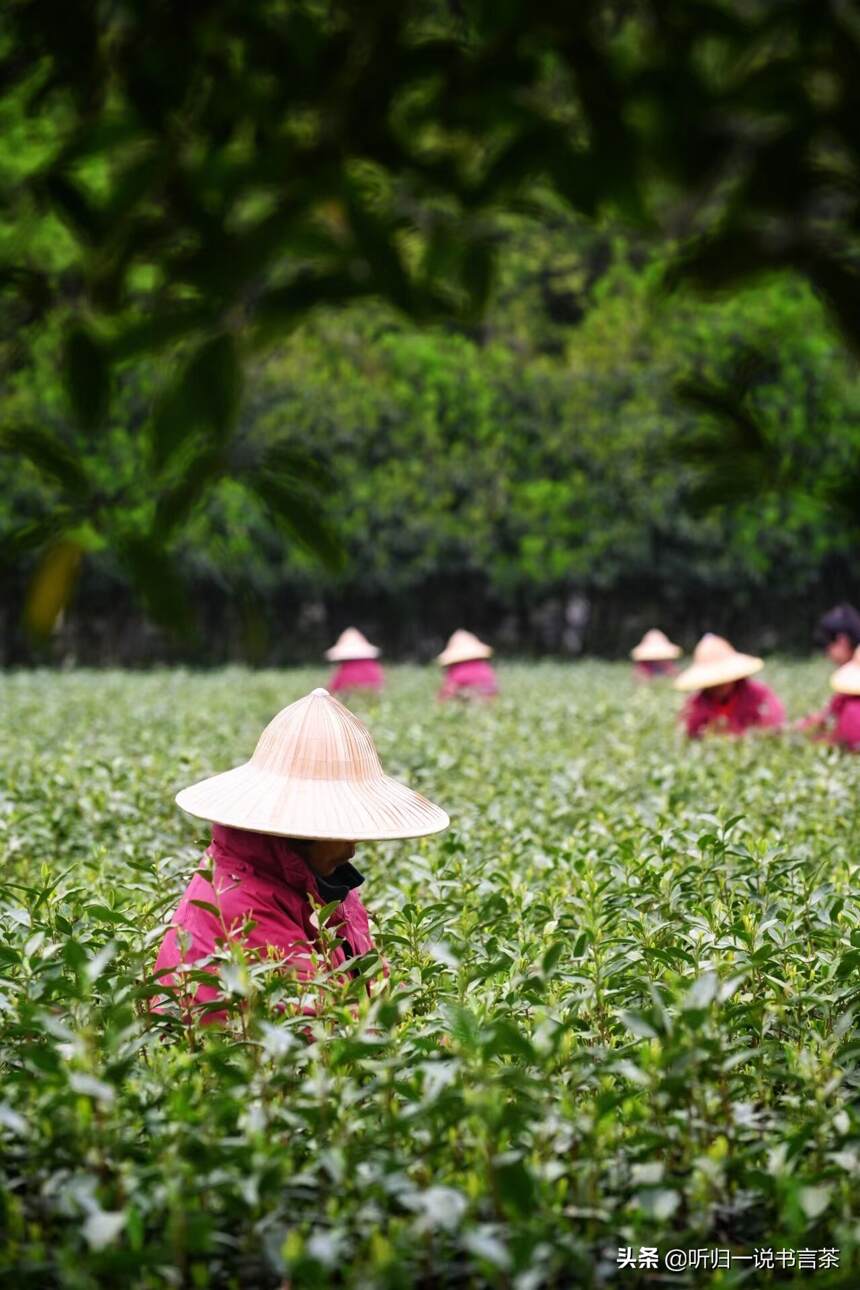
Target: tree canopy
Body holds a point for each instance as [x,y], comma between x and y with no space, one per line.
[184,188]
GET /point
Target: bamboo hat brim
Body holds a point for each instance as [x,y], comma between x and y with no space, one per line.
[314,774]
[702,676]
[846,679]
[249,799]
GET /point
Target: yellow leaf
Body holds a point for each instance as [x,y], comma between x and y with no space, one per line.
[52,585]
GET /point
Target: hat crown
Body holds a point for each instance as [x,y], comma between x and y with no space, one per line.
[317,738]
[712,649]
[351,644]
[461,639]
[351,636]
[655,646]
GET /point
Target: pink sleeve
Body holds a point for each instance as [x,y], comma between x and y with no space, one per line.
[772,712]
[847,730]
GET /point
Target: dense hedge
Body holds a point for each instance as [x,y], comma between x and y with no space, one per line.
[534,476]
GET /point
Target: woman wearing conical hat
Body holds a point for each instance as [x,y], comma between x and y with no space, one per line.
[357,666]
[284,830]
[654,656]
[467,672]
[723,698]
[839,723]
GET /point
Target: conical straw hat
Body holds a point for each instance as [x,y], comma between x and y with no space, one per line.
[462,648]
[654,647]
[351,644]
[846,679]
[716,662]
[314,774]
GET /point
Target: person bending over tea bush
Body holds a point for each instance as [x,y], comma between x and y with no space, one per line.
[724,699]
[839,635]
[357,666]
[468,674]
[654,656]
[839,722]
[285,828]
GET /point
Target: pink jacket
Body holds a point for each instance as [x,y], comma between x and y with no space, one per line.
[841,719]
[749,706]
[357,674]
[474,677]
[261,878]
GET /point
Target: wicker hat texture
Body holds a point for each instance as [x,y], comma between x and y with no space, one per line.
[462,648]
[716,662]
[351,644]
[315,773]
[654,647]
[846,679]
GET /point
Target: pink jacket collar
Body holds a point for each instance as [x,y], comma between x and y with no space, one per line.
[273,858]
[270,857]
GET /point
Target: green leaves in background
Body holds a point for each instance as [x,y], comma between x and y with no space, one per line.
[177,187]
[86,375]
[154,575]
[138,501]
[579,444]
[201,403]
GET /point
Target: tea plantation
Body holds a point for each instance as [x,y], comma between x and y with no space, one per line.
[620,1014]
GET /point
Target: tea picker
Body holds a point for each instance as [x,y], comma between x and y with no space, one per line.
[839,723]
[723,698]
[358,668]
[284,830]
[654,656]
[468,674]
[838,633]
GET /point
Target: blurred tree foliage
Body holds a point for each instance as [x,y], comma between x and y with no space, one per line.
[182,187]
[534,455]
[553,465]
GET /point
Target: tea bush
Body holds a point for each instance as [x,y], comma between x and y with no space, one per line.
[620,1010]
